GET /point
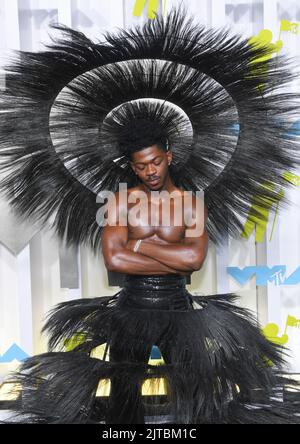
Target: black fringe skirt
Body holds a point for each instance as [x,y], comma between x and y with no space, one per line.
[214,366]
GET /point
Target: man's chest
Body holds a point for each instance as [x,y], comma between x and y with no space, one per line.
[158,221]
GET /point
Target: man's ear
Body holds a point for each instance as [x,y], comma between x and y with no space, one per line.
[169,156]
[133,167]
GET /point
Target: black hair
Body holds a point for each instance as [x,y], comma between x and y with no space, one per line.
[138,125]
[142,134]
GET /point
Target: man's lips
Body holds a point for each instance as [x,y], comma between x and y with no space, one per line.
[154,181]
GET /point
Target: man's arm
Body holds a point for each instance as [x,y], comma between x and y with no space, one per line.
[187,255]
[120,259]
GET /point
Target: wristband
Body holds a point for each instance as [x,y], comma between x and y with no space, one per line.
[136,247]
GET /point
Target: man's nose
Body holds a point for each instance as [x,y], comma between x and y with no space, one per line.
[151,170]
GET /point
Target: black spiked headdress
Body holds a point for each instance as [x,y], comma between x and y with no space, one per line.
[69,114]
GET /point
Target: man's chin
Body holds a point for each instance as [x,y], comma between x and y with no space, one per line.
[154,187]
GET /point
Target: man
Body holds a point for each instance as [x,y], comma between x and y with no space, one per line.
[162,249]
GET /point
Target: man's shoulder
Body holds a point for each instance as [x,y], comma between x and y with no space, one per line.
[195,207]
[122,195]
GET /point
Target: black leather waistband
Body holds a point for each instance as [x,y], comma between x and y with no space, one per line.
[155,292]
[155,282]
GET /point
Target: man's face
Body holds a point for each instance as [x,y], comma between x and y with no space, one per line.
[151,165]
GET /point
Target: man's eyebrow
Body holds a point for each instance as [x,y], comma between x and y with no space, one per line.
[146,162]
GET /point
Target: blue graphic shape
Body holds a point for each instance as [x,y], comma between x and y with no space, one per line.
[155,353]
[274,274]
[294,278]
[294,130]
[13,353]
[235,128]
[264,275]
[241,275]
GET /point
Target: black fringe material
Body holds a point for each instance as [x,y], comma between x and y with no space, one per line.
[58,140]
[221,369]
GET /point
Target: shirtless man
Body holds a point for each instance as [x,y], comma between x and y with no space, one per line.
[164,249]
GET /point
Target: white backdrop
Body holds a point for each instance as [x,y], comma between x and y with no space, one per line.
[37,272]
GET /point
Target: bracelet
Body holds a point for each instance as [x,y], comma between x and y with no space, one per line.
[136,247]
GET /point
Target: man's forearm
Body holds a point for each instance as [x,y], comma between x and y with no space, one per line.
[129,262]
[178,256]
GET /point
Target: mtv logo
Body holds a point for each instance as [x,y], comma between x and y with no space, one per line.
[265,275]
